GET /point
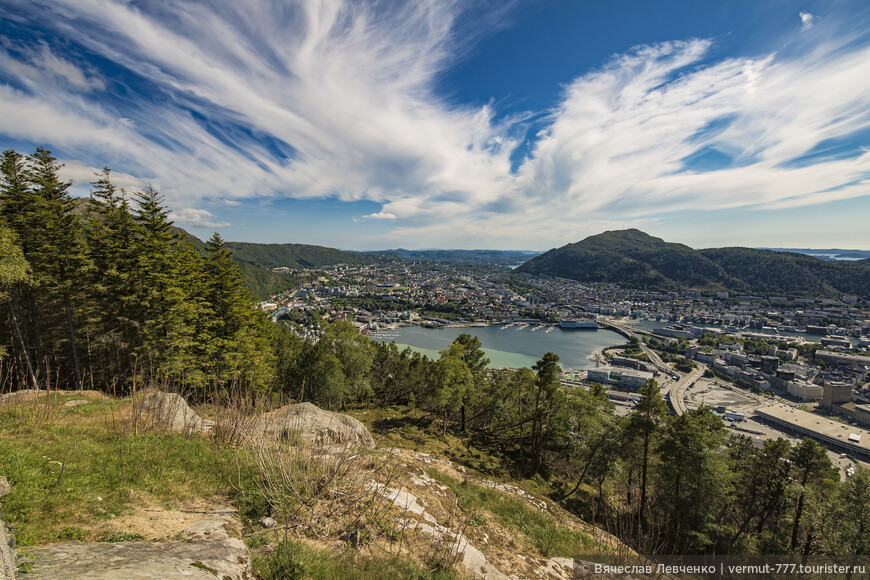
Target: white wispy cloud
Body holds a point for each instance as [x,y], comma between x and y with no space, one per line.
[38,67]
[330,98]
[81,174]
[620,141]
[197,218]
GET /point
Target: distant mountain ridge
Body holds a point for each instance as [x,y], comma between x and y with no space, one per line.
[475,257]
[256,261]
[634,259]
[298,255]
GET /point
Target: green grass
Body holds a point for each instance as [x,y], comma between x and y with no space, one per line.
[70,469]
[544,534]
[294,559]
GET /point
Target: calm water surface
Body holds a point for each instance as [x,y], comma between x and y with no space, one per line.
[510,347]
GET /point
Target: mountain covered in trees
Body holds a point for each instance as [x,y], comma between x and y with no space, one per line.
[634,259]
[257,262]
[119,302]
[298,255]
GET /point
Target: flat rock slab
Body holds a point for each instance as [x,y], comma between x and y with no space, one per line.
[76,403]
[207,551]
[7,554]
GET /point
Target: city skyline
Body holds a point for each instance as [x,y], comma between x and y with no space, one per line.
[458,125]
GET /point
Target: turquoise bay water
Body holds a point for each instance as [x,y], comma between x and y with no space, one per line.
[509,347]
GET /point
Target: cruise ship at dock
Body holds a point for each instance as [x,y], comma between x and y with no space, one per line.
[578,323]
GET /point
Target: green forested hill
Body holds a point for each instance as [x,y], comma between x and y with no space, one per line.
[257,260]
[297,255]
[634,259]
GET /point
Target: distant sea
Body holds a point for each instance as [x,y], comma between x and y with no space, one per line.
[829,255]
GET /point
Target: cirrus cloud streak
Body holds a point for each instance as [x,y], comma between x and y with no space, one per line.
[324,98]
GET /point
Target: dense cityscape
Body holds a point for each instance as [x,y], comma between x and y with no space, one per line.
[760,355]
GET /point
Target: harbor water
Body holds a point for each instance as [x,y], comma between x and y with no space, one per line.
[512,346]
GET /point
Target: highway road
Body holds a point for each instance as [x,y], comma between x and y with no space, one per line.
[676,390]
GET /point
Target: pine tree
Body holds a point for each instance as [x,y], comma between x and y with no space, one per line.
[549,402]
[21,208]
[694,480]
[111,235]
[453,380]
[644,422]
[476,361]
[238,334]
[61,252]
[161,307]
[812,464]
[14,269]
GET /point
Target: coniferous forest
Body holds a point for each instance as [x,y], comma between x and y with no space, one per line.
[103,294]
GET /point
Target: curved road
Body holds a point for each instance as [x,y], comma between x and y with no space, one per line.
[677,390]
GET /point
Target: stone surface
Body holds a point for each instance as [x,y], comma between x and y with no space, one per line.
[405,501]
[76,403]
[456,544]
[313,423]
[461,549]
[173,414]
[5,489]
[208,549]
[19,396]
[268,522]
[7,553]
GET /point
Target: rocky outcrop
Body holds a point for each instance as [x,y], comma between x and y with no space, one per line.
[7,541]
[171,413]
[312,423]
[7,553]
[209,549]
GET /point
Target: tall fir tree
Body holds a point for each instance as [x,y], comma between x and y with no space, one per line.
[21,208]
[160,306]
[645,421]
[111,235]
[62,255]
[14,269]
[238,334]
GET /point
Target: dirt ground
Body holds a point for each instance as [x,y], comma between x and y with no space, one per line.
[714,394]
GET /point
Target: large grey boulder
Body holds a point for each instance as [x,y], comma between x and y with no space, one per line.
[172,413]
[209,549]
[312,423]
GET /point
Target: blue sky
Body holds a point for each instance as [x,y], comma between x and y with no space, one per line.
[458,124]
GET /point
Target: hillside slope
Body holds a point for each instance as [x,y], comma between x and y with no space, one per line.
[634,259]
[297,255]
